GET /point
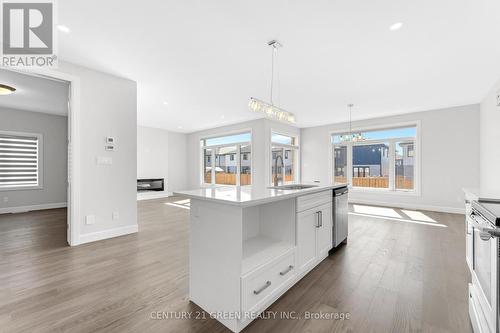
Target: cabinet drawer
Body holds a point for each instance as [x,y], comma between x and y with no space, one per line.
[257,288]
[313,200]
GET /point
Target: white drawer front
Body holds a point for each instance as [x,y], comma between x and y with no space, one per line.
[258,288]
[313,200]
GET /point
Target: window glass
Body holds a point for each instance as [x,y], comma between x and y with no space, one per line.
[282,139]
[404,166]
[370,166]
[277,162]
[222,140]
[225,167]
[289,162]
[222,154]
[340,162]
[207,166]
[405,132]
[245,165]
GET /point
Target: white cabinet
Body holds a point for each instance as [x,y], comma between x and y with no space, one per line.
[314,235]
[324,232]
[306,238]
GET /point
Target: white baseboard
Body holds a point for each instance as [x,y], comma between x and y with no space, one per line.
[23,209]
[105,234]
[431,208]
[150,195]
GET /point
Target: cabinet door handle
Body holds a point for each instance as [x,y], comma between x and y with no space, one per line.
[320,218]
[286,270]
[258,291]
[317,219]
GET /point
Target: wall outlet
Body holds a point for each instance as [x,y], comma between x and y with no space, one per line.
[5,199]
[90,219]
[115,216]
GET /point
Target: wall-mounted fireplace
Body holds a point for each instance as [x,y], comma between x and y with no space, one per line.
[150,184]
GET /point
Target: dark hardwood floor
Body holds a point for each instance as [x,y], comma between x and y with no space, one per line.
[394,275]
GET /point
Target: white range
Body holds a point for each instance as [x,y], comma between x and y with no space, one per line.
[249,245]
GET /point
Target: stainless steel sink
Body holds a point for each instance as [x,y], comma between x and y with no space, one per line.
[292,187]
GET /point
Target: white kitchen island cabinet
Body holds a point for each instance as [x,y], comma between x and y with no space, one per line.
[248,246]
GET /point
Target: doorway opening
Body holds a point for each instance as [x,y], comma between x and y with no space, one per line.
[35,159]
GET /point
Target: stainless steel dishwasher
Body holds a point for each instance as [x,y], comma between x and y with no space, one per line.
[340,216]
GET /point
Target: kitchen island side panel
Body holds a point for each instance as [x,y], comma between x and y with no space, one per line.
[215,255]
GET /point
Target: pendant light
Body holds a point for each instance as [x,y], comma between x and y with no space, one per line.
[351,137]
[6,90]
[269,109]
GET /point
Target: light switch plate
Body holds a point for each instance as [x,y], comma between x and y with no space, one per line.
[109,147]
[90,219]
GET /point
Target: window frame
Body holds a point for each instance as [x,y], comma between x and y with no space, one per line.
[40,172]
[237,157]
[416,191]
[295,149]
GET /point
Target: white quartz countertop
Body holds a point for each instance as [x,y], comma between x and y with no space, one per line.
[250,196]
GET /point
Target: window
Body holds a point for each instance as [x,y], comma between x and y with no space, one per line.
[284,155]
[224,160]
[20,160]
[410,151]
[381,159]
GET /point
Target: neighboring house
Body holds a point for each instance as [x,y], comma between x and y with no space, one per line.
[370,160]
[225,160]
[404,160]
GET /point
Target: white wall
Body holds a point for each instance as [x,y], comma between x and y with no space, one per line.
[261,151]
[161,154]
[177,161]
[449,157]
[490,145]
[54,130]
[108,107]
[152,157]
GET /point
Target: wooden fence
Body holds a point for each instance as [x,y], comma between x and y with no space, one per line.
[224,178]
[377,182]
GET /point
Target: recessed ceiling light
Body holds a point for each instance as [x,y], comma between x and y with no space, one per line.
[165,103]
[222,117]
[63,28]
[179,127]
[6,90]
[396,26]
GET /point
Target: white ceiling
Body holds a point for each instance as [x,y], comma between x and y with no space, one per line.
[206,58]
[34,93]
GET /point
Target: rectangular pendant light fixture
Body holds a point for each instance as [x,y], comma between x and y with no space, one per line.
[271,111]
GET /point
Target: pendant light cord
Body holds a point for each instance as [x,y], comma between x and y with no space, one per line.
[272,73]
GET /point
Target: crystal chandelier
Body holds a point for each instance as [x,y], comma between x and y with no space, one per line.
[269,109]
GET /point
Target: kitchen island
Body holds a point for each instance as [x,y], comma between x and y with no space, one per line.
[249,245]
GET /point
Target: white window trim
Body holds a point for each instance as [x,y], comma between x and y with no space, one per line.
[296,152]
[40,174]
[391,190]
[237,157]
